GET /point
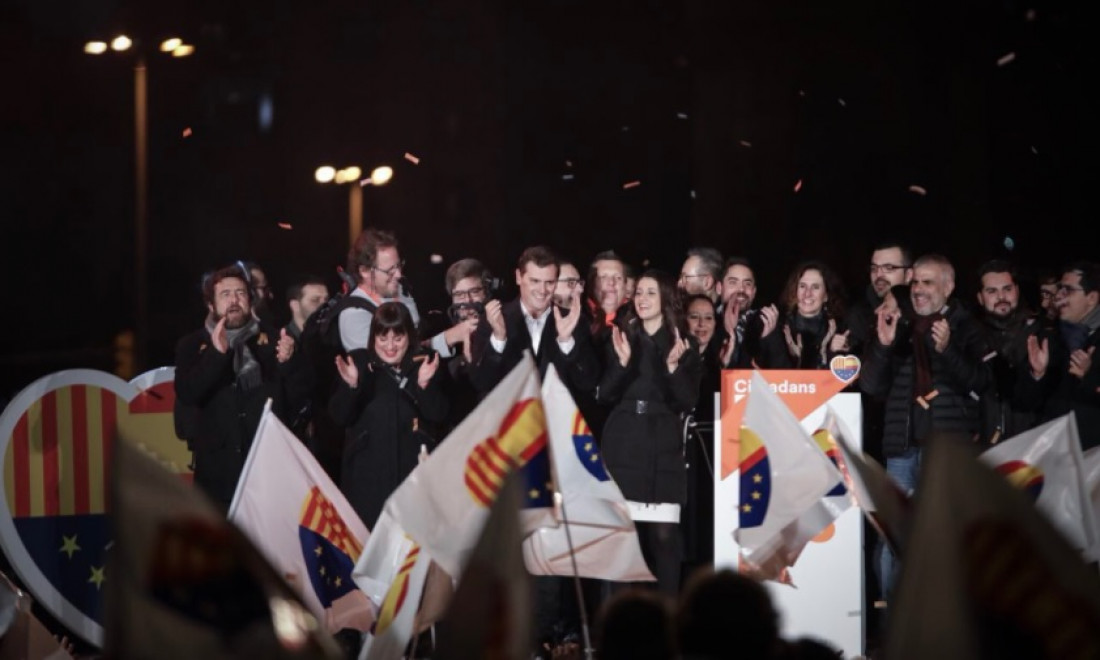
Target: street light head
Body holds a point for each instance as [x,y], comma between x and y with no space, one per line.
[325,174]
[169,45]
[95,47]
[183,50]
[352,173]
[380,176]
[121,43]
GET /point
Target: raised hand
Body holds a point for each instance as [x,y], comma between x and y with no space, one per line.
[427,370]
[886,325]
[285,348]
[348,371]
[219,338]
[726,354]
[839,343]
[730,315]
[941,335]
[770,316]
[1038,356]
[794,344]
[1080,361]
[495,316]
[460,332]
[679,347]
[566,324]
[621,345]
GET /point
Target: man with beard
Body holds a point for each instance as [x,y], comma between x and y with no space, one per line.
[700,273]
[303,298]
[1006,325]
[931,378]
[377,265]
[744,328]
[226,371]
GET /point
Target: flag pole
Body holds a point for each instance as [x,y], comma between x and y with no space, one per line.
[588,650]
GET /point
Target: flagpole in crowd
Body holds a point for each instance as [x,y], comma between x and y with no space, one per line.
[576,580]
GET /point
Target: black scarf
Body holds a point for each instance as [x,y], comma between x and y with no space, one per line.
[245,366]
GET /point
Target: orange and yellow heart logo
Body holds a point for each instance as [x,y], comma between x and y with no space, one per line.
[845,367]
[55,439]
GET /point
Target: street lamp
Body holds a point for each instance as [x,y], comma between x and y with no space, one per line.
[379,176]
[121,44]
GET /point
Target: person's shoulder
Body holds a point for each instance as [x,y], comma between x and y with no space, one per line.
[193,340]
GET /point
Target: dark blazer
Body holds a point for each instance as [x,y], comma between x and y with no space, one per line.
[225,418]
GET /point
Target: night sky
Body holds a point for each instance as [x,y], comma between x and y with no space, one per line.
[527,118]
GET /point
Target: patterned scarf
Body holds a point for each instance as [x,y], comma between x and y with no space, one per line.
[245,365]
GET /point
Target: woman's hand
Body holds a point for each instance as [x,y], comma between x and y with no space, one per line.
[679,347]
[427,370]
[348,371]
[621,345]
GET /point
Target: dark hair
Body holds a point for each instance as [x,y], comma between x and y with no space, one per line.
[392,316]
[710,259]
[834,289]
[1089,272]
[294,291]
[698,296]
[539,255]
[364,252]
[998,266]
[217,276]
[717,606]
[635,624]
[462,269]
[672,308]
[906,253]
[737,261]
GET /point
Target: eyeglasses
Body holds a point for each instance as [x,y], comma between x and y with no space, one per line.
[887,269]
[469,295]
[1046,295]
[570,282]
[1068,288]
[400,265]
[684,276]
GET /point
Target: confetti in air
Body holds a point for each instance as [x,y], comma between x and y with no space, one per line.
[285,225]
[567,177]
[187,132]
[798,185]
[436,258]
[411,158]
[746,144]
[1009,243]
[918,190]
[631,184]
[681,115]
[842,103]
[1029,16]
[693,194]
[1034,151]
[1006,59]
[569,163]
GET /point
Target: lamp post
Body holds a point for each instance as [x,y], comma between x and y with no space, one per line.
[176,48]
[379,176]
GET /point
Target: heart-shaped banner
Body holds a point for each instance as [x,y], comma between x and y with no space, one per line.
[845,367]
[55,440]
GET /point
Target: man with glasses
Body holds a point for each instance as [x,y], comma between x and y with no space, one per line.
[569,281]
[1067,370]
[701,272]
[891,264]
[377,265]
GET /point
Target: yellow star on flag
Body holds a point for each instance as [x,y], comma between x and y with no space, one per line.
[746,508]
[97,577]
[756,478]
[68,545]
[533,493]
[755,494]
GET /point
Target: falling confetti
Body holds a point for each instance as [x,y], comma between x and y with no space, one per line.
[436,258]
[631,184]
[1009,243]
[1029,16]
[1034,150]
[1006,58]
[567,177]
[626,129]
[801,93]
[746,144]
[411,158]
[187,132]
[693,194]
[918,190]
[798,185]
[681,115]
[569,163]
[285,225]
[842,103]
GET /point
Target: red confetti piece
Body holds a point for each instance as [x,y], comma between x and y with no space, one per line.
[285,225]
[798,185]
[187,132]
[1006,58]
[631,184]
[918,190]
[411,158]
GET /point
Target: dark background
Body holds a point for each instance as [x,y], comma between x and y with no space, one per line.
[717,108]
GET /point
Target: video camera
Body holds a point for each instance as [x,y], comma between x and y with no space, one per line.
[461,311]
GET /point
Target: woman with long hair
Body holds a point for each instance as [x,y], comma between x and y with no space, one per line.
[814,327]
[652,379]
[390,400]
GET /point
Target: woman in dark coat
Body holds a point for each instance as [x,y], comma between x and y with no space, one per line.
[390,401]
[652,380]
[814,325]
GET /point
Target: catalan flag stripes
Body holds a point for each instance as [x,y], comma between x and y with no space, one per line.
[398,590]
[320,516]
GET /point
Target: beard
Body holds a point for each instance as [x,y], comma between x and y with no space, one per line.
[235,317]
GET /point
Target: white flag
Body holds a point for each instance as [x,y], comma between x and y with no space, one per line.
[293,512]
[1046,463]
[1091,466]
[784,478]
[600,531]
[445,501]
[988,576]
[391,571]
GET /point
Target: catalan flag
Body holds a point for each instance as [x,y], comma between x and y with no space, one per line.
[290,508]
[445,501]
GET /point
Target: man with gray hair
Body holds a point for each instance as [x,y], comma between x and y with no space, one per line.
[702,273]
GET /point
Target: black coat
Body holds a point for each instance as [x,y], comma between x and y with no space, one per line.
[224,418]
[1011,408]
[1062,392]
[644,450]
[959,375]
[388,417]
